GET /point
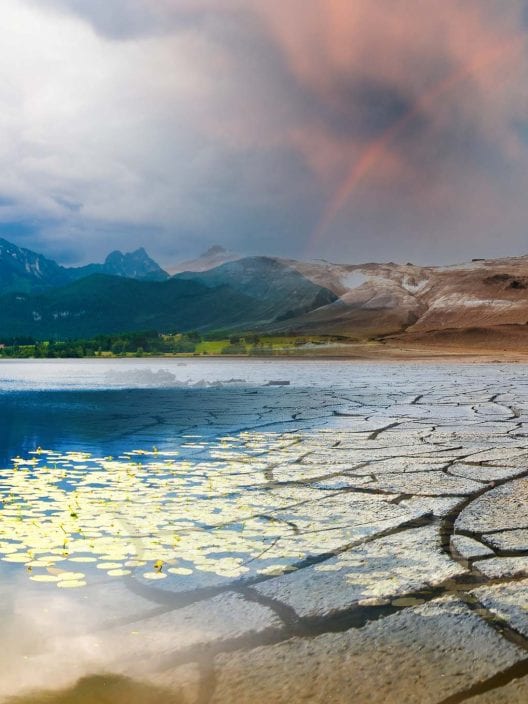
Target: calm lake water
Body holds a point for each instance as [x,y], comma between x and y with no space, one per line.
[111,406]
[130,486]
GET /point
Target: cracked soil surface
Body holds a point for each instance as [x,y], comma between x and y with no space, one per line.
[385,557]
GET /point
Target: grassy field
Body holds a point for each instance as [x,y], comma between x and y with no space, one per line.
[178,345]
[265,344]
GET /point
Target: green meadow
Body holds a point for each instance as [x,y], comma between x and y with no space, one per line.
[153,344]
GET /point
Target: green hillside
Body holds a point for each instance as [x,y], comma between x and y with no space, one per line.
[106,304]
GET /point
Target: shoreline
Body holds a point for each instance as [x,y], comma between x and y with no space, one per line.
[350,353]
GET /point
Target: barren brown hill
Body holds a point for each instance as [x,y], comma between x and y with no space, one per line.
[381,299]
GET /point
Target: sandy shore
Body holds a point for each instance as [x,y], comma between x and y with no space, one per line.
[401,352]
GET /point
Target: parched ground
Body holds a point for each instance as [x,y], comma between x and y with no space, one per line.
[393,565]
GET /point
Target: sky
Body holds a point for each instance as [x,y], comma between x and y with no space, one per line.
[349,130]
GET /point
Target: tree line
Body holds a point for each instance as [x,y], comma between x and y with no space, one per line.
[137,343]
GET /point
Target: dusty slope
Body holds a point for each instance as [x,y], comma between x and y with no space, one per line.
[389,298]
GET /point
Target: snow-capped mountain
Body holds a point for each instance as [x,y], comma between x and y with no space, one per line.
[22,269]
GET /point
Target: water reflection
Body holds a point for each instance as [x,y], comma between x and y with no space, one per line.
[107,422]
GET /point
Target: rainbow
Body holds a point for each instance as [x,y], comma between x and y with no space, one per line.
[374,152]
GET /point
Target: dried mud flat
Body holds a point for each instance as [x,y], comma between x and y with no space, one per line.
[406,580]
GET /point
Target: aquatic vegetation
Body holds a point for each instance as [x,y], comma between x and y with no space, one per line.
[153,514]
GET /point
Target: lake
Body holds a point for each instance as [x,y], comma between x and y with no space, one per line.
[159,514]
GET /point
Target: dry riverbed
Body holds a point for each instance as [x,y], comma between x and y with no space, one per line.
[378,553]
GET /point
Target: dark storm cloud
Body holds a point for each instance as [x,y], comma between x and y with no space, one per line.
[366,108]
[358,107]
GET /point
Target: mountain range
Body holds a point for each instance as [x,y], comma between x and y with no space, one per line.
[128,292]
[223,291]
[22,270]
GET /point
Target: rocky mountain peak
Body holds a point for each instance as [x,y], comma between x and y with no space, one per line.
[134,265]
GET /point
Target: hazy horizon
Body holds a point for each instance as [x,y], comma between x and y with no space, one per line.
[173,263]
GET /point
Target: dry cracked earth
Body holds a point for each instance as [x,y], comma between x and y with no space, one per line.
[394,566]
